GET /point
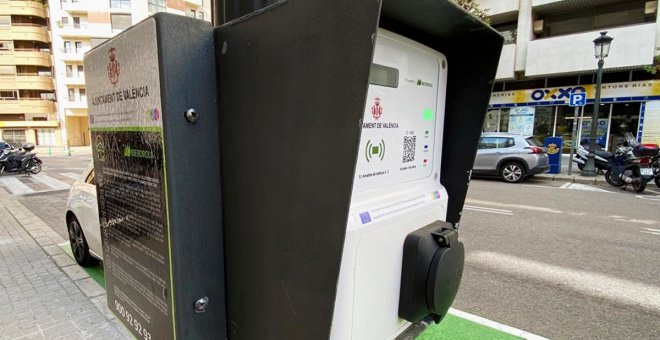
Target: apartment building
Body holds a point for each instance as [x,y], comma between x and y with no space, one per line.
[27,108]
[79,25]
[549,53]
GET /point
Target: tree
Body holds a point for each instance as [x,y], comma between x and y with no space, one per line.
[473,8]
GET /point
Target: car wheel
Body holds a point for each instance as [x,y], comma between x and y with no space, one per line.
[512,172]
[580,166]
[79,245]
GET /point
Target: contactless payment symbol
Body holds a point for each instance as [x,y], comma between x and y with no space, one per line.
[377,151]
[376,109]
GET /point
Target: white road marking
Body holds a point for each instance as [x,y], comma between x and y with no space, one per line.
[584,187]
[650,231]
[496,325]
[15,186]
[488,210]
[71,175]
[51,182]
[653,191]
[593,284]
[647,222]
[519,206]
[648,197]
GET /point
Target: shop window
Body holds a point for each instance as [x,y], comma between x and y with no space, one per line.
[625,118]
[544,120]
[504,120]
[120,22]
[14,137]
[46,137]
[491,122]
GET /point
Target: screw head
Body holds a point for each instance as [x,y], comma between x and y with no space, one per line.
[201,304]
[191,115]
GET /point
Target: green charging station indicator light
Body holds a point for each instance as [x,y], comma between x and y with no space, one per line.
[427,114]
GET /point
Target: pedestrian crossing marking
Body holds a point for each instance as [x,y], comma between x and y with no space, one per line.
[15,186]
[51,182]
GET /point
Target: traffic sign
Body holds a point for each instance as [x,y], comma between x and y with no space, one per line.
[577,99]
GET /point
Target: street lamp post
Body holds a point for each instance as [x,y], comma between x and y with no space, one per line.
[601,49]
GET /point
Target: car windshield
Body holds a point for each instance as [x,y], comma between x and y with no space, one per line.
[533,141]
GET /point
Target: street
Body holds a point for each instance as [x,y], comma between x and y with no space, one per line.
[557,259]
[563,261]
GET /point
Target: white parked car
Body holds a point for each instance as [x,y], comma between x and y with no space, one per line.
[82,219]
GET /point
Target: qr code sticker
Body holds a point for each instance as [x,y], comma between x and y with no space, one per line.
[409,148]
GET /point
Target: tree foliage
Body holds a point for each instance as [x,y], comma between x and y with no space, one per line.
[473,7]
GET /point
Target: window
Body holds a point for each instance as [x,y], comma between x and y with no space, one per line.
[72,95]
[120,22]
[67,47]
[46,137]
[69,71]
[81,73]
[83,95]
[383,76]
[7,95]
[65,20]
[6,46]
[79,47]
[496,142]
[90,178]
[76,22]
[156,6]
[120,3]
[7,70]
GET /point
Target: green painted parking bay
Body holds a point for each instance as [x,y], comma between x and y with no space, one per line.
[452,326]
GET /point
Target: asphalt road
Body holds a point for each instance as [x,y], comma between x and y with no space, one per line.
[562,262]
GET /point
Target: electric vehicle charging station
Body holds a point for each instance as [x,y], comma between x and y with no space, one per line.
[346,131]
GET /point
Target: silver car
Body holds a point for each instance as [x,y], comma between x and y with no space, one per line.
[511,156]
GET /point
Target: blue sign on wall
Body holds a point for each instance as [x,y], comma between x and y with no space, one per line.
[554,145]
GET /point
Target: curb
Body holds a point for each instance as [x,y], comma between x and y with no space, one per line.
[598,180]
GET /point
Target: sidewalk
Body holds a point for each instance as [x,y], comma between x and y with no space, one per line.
[44,151]
[44,294]
[575,177]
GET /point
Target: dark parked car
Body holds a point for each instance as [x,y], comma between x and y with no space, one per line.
[513,157]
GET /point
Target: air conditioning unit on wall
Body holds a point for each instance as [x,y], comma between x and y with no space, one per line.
[650,7]
[538,26]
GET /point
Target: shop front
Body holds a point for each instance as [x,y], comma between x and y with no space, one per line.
[625,107]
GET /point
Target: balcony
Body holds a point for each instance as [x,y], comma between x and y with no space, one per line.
[25,57]
[79,6]
[85,30]
[74,107]
[30,8]
[72,56]
[31,32]
[27,105]
[26,82]
[574,53]
[505,70]
[28,124]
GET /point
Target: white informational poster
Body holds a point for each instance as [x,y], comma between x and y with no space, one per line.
[651,124]
[521,120]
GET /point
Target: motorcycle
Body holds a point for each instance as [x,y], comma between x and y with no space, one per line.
[631,164]
[20,161]
[655,165]
[601,158]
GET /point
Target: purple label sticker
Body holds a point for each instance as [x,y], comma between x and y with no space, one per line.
[365,217]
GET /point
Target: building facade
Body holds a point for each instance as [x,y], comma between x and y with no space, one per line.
[27,98]
[549,54]
[79,25]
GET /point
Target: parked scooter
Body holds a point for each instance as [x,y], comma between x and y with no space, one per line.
[655,165]
[19,160]
[601,158]
[632,164]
